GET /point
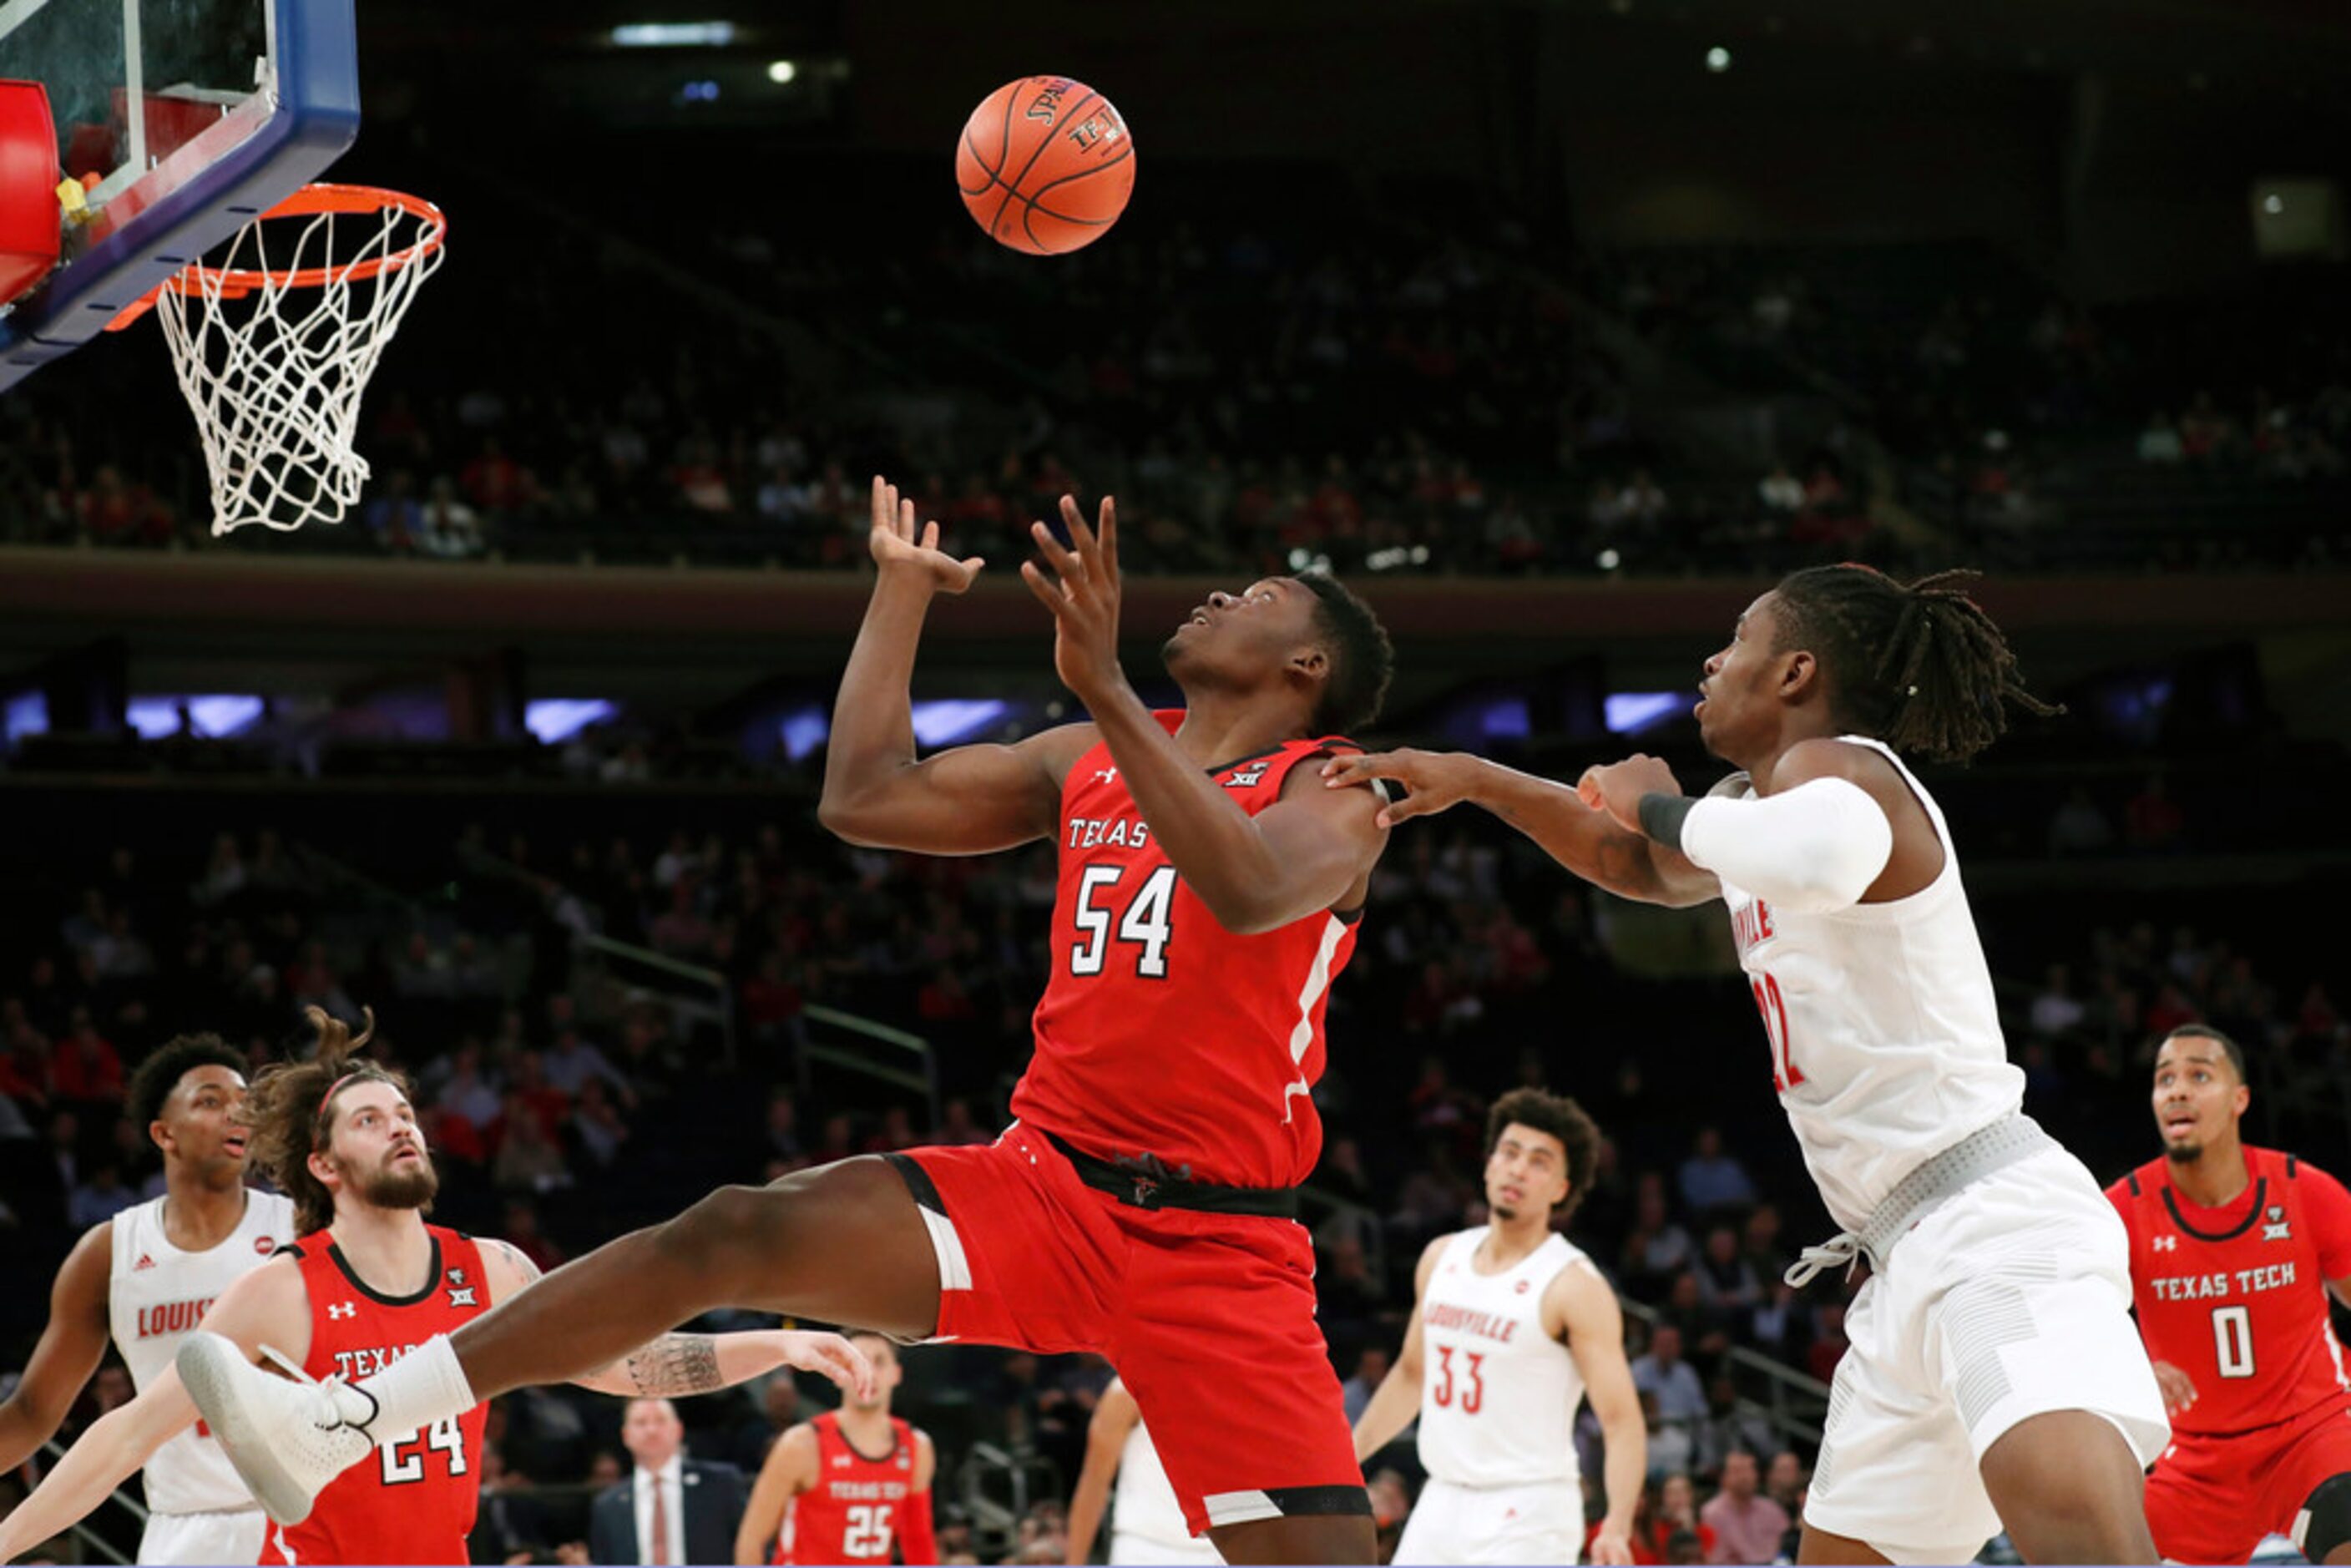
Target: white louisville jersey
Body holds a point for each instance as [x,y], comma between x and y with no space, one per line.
[1885,1039]
[1144,1504]
[155,1295]
[1498,1396]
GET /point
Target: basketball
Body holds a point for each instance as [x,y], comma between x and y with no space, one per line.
[1045,165]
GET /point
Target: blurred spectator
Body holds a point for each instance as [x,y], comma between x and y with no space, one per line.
[1747,1525]
[1661,1370]
[1713,1179]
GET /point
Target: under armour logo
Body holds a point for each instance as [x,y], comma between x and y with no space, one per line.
[335,1309]
[464,1298]
[1106,775]
[2165,1244]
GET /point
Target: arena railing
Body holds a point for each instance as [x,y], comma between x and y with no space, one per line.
[1794,1403]
[606,974]
[904,1061]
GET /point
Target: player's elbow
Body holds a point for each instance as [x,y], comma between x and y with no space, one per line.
[847,819]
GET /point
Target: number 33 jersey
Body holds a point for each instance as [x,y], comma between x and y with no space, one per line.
[1498,1396]
[414,1502]
[1162,1036]
[2235,1297]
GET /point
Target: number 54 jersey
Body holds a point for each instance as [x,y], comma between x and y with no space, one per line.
[414,1502]
[2235,1297]
[1163,1037]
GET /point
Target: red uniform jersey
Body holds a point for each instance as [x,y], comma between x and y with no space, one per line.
[1163,1036]
[415,1500]
[861,1509]
[2236,1296]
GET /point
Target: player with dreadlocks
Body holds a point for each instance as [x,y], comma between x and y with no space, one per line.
[365,1283]
[1993,1379]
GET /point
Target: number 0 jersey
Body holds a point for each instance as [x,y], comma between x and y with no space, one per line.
[414,1502]
[1163,1036]
[2235,1297]
[1885,1039]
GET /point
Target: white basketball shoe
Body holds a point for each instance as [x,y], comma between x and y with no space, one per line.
[288,1439]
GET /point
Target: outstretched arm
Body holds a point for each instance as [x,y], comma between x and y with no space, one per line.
[678,1365]
[1300,855]
[1584,840]
[266,1306]
[69,1350]
[969,800]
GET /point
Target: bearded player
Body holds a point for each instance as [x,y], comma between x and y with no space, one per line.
[1143,1205]
[369,1279]
[852,1485]
[1991,1381]
[146,1277]
[2233,1251]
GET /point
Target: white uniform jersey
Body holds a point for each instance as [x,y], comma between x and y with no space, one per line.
[1885,1039]
[1498,1396]
[155,1296]
[1144,1505]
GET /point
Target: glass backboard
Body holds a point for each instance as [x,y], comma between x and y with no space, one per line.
[187,118]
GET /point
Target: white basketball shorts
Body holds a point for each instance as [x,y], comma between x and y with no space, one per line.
[2009,1300]
[203,1537]
[1538,1523]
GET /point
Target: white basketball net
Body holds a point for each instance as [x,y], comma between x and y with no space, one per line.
[273,366]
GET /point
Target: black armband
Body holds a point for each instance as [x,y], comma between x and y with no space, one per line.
[1662,816]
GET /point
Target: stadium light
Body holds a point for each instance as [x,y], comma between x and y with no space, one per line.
[1717,59]
[782,72]
[673,34]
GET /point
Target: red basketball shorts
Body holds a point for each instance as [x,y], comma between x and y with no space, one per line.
[1208,1318]
[2211,1499]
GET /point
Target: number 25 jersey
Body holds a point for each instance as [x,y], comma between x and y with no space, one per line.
[1163,1036]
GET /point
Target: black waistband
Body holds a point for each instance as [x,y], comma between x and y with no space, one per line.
[1141,1189]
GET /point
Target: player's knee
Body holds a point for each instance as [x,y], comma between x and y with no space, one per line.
[2323,1525]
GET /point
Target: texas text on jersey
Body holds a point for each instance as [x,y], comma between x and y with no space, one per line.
[415,1500]
[2236,1296]
[1163,1037]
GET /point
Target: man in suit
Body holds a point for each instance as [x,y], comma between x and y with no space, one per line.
[670,1508]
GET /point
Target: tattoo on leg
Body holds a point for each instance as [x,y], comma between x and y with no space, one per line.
[675,1365]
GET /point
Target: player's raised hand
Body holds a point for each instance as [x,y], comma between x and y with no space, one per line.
[1081,590]
[900,544]
[2177,1388]
[1618,787]
[1433,781]
[828,1354]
